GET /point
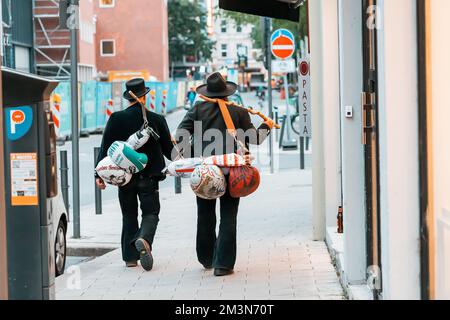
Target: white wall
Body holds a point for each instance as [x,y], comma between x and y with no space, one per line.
[440,119]
[350,48]
[317,102]
[331,112]
[398,128]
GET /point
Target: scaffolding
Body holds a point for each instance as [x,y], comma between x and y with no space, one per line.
[52,43]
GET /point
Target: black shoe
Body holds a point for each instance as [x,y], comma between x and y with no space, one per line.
[219,272]
[131,264]
[207,266]
[145,252]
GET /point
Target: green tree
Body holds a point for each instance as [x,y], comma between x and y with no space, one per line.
[300,29]
[188,31]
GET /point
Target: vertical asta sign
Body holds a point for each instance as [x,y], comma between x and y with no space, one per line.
[305,98]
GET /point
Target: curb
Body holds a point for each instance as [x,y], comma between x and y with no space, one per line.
[89,251]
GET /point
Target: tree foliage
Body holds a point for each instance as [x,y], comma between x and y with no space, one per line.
[188,31]
[300,29]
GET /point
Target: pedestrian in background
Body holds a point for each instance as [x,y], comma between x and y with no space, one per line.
[190,97]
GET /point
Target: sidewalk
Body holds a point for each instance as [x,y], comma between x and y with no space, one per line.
[276,258]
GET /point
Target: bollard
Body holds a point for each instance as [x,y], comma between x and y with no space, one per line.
[64,180]
[98,192]
[302,153]
[177,185]
[275,111]
[283,121]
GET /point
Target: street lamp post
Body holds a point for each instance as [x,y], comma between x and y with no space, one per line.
[73,26]
[267,34]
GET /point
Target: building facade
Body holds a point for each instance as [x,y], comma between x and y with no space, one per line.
[17,23]
[52,41]
[132,38]
[231,41]
[387,165]
[379,73]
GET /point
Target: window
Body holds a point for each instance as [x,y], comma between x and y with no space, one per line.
[241,50]
[223,26]
[107,3]
[107,48]
[223,50]
[22,58]
[238,28]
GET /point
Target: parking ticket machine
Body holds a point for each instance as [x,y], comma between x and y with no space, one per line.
[30,179]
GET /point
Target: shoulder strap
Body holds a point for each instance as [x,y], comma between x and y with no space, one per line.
[230,125]
[227,117]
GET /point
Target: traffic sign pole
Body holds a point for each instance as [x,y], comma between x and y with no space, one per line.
[75,127]
[267,29]
[283,48]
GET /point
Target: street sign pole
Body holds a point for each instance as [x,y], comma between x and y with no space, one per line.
[267,30]
[283,47]
[73,26]
[288,111]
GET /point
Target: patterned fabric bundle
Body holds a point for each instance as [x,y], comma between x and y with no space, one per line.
[123,160]
[183,168]
[112,173]
[226,160]
[127,158]
[208,182]
[138,139]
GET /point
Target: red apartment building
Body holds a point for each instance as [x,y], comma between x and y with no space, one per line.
[52,43]
[118,39]
[132,38]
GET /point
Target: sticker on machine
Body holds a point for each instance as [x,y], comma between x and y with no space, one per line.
[24,179]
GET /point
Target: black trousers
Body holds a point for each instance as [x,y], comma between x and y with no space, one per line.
[147,191]
[217,251]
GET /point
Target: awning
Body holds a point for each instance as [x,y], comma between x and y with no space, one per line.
[264,8]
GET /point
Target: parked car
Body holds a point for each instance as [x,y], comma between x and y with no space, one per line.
[60,232]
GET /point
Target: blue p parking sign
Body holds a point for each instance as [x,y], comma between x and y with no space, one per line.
[18,122]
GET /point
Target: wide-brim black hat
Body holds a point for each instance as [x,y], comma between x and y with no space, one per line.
[217,87]
[137,86]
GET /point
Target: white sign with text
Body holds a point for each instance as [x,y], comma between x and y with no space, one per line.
[305,98]
[283,66]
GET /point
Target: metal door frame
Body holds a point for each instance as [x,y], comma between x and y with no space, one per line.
[371,144]
[427,242]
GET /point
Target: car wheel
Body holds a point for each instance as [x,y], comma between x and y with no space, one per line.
[60,249]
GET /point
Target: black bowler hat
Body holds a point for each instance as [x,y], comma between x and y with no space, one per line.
[137,86]
[217,87]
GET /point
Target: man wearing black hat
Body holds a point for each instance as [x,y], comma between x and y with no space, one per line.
[137,241]
[218,252]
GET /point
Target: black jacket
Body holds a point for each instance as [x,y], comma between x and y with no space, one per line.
[209,116]
[123,124]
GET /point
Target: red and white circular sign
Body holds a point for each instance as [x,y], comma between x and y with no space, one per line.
[283,44]
[304,68]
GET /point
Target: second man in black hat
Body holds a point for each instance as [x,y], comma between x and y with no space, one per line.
[217,251]
[137,240]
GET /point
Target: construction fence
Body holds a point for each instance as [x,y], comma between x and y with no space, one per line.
[98,100]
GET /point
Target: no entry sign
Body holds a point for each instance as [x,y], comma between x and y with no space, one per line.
[283,44]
